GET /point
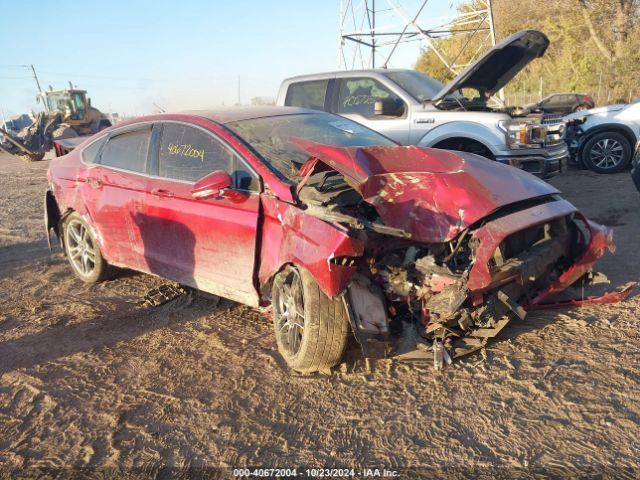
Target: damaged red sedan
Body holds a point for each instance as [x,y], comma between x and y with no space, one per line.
[338,228]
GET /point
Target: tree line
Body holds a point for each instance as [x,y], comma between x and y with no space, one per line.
[595,46]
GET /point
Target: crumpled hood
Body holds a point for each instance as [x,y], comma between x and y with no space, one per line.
[432,194]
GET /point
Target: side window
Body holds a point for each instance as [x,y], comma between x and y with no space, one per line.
[188,154]
[128,150]
[555,100]
[359,95]
[307,94]
[90,152]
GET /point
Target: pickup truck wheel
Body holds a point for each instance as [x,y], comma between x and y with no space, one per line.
[311,329]
[607,152]
[82,250]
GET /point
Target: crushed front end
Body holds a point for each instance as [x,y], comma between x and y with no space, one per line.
[458,295]
[442,272]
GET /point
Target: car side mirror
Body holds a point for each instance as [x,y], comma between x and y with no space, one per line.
[213,185]
[388,107]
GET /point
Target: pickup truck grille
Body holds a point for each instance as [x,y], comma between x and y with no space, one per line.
[552,118]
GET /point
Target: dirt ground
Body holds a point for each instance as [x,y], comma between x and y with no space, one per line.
[91,380]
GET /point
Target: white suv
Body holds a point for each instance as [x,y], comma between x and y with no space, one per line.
[604,138]
[414,109]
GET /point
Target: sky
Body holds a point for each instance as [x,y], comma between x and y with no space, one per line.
[131,55]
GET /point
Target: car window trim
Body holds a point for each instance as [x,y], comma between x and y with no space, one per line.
[154,158]
[122,131]
[330,94]
[216,137]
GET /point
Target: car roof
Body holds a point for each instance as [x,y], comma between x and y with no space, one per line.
[346,73]
[234,114]
[565,93]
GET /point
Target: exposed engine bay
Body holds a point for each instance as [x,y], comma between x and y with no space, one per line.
[412,299]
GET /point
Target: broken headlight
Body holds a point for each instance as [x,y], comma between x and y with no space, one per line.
[523,135]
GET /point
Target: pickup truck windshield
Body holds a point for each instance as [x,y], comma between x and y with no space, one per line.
[416,84]
[270,137]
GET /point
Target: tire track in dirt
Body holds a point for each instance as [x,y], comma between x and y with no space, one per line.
[89,378]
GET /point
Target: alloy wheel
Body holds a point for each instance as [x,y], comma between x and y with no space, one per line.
[607,153]
[289,312]
[81,248]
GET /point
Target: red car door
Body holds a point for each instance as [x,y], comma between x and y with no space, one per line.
[113,191]
[209,244]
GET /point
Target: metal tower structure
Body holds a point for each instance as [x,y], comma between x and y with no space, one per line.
[372,30]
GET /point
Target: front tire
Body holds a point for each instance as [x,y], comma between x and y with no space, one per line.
[311,328]
[83,251]
[607,152]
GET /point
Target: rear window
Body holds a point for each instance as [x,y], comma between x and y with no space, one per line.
[90,152]
[128,150]
[307,94]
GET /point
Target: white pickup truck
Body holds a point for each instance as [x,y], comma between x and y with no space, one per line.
[414,109]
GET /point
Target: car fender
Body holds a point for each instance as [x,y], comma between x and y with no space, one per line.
[289,236]
[590,131]
[65,199]
[493,139]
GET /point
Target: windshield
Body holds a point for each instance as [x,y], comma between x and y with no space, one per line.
[270,137]
[416,84]
[59,102]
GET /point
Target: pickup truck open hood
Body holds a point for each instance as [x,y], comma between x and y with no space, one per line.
[431,194]
[499,65]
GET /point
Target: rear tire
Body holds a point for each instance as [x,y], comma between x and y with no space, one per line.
[607,152]
[311,329]
[83,251]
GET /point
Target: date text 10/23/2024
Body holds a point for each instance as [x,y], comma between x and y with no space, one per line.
[315,473]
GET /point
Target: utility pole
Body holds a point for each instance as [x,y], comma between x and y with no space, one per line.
[373,33]
[340,39]
[238,89]
[491,25]
[492,30]
[35,77]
